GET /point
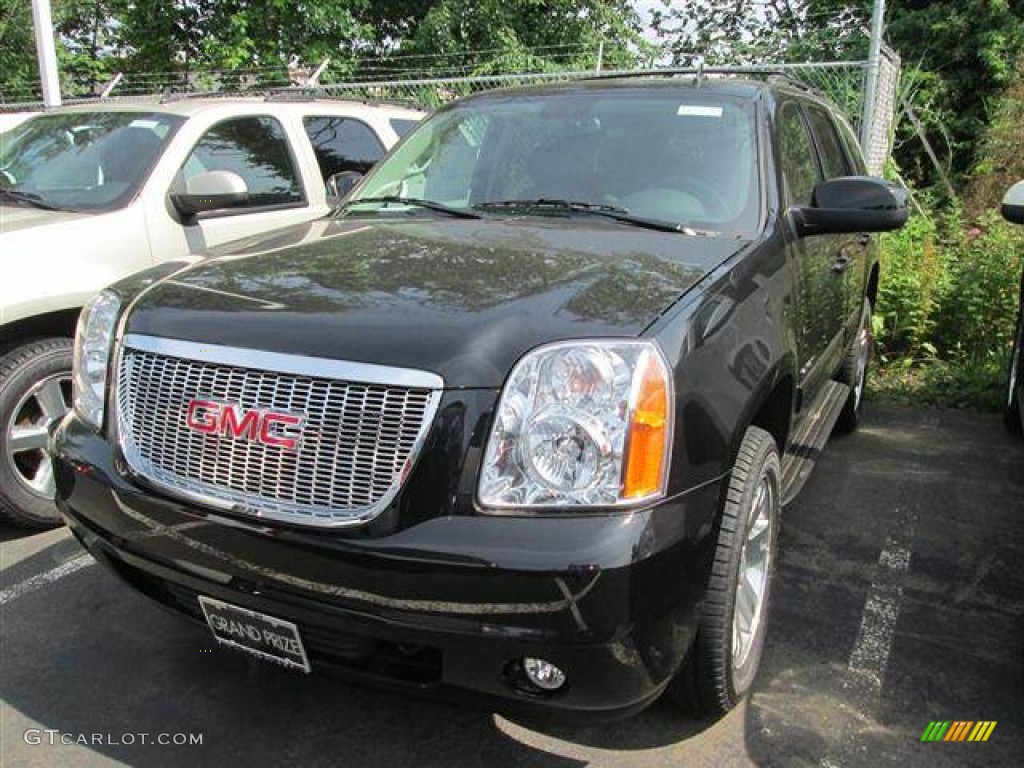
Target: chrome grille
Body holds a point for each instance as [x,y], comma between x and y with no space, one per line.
[358,440]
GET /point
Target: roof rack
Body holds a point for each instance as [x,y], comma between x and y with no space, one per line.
[700,72]
[300,93]
[171,95]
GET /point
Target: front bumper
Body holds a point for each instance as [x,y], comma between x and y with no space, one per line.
[448,605]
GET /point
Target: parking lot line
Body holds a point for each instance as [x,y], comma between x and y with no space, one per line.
[42,579]
[871,649]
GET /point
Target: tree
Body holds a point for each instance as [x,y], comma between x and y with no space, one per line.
[755,31]
[497,35]
[86,40]
[19,80]
[960,53]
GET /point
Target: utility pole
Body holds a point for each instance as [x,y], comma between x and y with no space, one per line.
[874,68]
[42,21]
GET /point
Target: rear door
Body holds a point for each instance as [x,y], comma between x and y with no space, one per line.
[342,144]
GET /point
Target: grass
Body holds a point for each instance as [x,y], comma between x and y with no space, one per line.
[942,384]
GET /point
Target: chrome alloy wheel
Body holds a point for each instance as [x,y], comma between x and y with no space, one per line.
[755,567]
[28,432]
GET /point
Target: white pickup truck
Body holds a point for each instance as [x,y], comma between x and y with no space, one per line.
[90,194]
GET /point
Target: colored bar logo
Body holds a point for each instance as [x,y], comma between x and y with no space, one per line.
[958,730]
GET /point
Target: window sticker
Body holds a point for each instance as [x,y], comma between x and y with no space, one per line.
[696,110]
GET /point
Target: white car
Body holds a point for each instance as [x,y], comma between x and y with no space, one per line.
[10,120]
[90,194]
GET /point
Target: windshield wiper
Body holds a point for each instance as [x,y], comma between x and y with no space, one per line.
[592,209]
[459,213]
[28,198]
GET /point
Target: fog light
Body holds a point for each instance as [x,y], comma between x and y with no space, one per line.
[543,674]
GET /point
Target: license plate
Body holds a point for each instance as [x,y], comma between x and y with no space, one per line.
[269,638]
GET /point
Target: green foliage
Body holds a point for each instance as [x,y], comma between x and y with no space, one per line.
[1002,162]
[971,47]
[511,28]
[947,307]
[753,31]
[18,78]
[944,384]
[230,44]
[960,53]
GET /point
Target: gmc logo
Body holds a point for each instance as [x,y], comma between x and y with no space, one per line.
[265,427]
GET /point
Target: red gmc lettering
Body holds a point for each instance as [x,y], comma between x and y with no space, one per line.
[248,427]
[202,416]
[213,418]
[288,443]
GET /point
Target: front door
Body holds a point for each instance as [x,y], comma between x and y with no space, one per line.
[822,288]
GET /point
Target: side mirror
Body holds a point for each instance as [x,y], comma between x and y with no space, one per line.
[1013,204]
[853,204]
[210,191]
[340,184]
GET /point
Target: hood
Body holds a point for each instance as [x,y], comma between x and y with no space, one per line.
[17,217]
[463,299]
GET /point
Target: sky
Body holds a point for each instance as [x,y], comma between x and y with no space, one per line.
[644,7]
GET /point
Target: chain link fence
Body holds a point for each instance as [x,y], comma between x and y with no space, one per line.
[841,82]
[879,144]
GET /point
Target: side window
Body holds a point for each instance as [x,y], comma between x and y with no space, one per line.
[797,160]
[853,151]
[343,144]
[833,157]
[256,149]
[402,126]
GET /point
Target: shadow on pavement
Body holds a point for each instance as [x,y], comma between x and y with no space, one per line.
[10,532]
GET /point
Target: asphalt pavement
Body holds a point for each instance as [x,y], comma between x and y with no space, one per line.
[900,601]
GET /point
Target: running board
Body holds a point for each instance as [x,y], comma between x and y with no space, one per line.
[805,446]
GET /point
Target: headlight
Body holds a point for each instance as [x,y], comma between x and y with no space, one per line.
[581,424]
[93,341]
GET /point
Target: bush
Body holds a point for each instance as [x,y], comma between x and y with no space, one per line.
[946,310]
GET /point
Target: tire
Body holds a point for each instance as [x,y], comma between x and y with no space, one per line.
[723,662]
[855,373]
[35,391]
[1013,414]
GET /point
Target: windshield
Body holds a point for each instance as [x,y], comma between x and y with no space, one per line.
[82,160]
[671,155]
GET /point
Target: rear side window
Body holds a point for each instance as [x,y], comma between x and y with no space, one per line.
[853,150]
[256,149]
[833,158]
[343,144]
[402,126]
[796,157]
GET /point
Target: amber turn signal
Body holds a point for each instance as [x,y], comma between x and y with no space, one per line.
[647,441]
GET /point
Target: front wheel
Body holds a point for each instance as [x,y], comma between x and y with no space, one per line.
[730,639]
[35,392]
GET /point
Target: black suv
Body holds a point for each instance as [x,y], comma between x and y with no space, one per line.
[517,422]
